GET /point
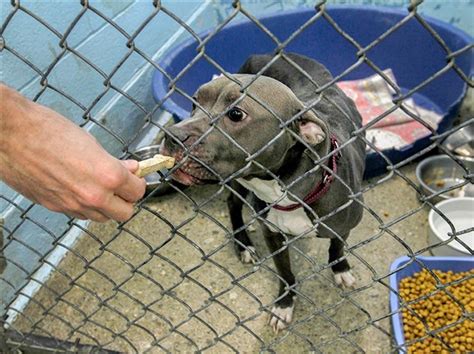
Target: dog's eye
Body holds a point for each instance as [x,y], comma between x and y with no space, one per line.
[236,115]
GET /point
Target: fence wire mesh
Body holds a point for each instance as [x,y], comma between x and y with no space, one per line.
[168,279]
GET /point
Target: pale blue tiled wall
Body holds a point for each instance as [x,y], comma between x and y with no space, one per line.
[105,47]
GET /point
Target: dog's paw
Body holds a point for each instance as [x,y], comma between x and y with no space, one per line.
[248,256]
[281,317]
[345,279]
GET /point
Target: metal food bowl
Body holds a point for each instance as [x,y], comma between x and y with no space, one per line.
[147,152]
[460,212]
[461,142]
[437,173]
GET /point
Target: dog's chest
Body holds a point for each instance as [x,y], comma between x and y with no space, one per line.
[293,222]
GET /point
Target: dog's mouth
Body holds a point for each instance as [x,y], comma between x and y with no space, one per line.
[186,178]
[191,172]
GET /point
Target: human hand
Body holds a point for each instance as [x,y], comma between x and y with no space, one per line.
[54,163]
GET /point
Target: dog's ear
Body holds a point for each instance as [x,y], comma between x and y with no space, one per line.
[312,129]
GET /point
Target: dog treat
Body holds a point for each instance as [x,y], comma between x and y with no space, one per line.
[154,164]
[438,310]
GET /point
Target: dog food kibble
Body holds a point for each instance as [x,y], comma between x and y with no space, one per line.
[439,311]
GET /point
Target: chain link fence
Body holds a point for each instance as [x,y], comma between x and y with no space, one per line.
[168,280]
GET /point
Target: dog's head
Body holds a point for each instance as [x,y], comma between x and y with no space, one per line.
[248,126]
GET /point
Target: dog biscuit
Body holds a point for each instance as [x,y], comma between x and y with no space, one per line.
[154,164]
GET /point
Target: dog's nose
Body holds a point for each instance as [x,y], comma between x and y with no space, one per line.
[175,139]
[178,134]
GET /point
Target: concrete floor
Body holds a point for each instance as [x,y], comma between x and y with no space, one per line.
[202,276]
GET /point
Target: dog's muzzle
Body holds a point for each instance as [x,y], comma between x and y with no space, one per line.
[191,163]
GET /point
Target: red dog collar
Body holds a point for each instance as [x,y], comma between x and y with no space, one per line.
[323,185]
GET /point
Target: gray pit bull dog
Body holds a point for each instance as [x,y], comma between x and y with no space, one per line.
[309,148]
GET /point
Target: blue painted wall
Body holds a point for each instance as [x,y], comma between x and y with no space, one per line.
[96,41]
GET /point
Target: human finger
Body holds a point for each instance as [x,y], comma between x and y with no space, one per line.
[118,209]
[132,189]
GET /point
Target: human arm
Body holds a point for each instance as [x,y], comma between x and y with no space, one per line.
[55,163]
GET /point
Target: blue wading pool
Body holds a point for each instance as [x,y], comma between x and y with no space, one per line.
[456,264]
[411,52]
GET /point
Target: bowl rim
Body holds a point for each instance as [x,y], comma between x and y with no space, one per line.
[145,148]
[466,128]
[434,230]
[429,159]
[159,87]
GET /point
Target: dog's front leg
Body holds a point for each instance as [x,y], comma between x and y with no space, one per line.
[244,247]
[341,269]
[282,311]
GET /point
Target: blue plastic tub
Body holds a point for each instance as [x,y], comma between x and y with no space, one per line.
[456,264]
[411,51]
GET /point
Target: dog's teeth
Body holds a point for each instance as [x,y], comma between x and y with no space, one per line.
[248,256]
[345,279]
[281,317]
